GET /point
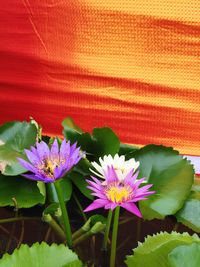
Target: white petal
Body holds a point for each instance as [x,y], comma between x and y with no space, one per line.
[97,167]
[97,174]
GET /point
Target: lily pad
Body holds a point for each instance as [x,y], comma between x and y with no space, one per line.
[14,138]
[41,255]
[154,251]
[25,192]
[172,178]
[185,256]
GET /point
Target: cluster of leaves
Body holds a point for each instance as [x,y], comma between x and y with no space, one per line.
[172,176]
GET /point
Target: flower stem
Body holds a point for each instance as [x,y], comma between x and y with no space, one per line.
[15,219]
[114,237]
[106,234]
[65,216]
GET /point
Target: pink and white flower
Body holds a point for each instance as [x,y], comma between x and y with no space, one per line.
[117,192]
[122,167]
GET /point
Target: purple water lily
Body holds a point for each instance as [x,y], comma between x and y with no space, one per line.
[49,164]
[115,192]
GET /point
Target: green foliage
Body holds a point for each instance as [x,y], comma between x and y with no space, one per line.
[103,141]
[154,251]
[25,192]
[125,149]
[185,256]
[14,138]
[172,178]
[189,215]
[80,182]
[41,255]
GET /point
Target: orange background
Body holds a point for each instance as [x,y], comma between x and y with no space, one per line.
[132,65]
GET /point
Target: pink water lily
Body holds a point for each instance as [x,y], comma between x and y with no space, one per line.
[116,192]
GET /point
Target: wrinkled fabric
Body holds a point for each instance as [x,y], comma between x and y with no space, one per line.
[130,65]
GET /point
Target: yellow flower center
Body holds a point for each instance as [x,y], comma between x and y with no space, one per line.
[48,166]
[118,193]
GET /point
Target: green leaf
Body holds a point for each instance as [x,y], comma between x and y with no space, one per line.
[126,149]
[81,184]
[185,256]
[155,249]
[41,255]
[71,131]
[26,192]
[83,167]
[14,138]
[106,142]
[66,186]
[189,215]
[103,141]
[171,176]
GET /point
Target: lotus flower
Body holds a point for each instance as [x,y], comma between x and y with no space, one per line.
[121,166]
[116,192]
[47,164]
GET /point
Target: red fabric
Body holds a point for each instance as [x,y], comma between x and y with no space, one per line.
[104,63]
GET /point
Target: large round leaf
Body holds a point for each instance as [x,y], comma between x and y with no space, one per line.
[185,256]
[189,215]
[14,138]
[26,193]
[155,249]
[41,255]
[171,176]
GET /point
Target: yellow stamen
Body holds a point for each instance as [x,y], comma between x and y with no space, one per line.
[48,166]
[118,194]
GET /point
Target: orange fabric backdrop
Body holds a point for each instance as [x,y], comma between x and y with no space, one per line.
[130,65]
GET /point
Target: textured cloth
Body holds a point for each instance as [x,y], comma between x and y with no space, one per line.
[132,65]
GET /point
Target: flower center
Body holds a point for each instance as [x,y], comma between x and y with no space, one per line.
[48,167]
[119,193]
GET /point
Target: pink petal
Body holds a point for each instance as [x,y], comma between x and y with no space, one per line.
[130,178]
[132,208]
[111,176]
[98,203]
[111,206]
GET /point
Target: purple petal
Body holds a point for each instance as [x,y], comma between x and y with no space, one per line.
[33,177]
[27,165]
[31,156]
[64,150]
[34,151]
[72,148]
[43,150]
[132,208]
[98,203]
[58,172]
[111,176]
[55,148]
